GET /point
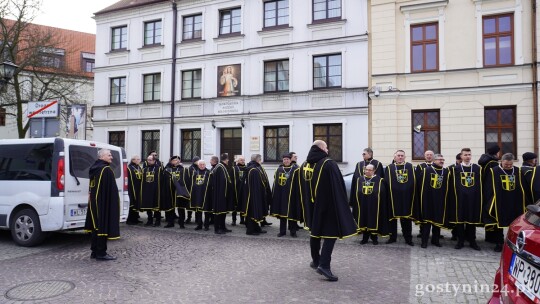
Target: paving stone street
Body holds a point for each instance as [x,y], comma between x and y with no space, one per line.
[158,265]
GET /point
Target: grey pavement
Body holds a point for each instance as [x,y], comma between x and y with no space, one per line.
[159,265]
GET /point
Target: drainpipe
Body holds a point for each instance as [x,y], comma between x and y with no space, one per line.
[173,72]
[535,77]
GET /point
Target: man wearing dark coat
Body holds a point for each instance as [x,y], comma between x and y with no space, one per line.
[359,170]
[198,191]
[401,183]
[487,161]
[103,216]
[527,169]
[465,209]
[238,177]
[370,205]
[256,196]
[504,197]
[172,173]
[282,206]
[134,184]
[191,168]
[325,204]
[222,192]
[432,200]
[150,192]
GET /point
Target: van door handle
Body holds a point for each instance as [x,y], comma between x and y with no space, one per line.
[82,205]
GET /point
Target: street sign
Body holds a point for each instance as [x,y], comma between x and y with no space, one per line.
[40,109]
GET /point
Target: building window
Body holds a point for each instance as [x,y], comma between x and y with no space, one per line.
[229,21]
[118,90]
[500,128]
[332,134]
[276,143]
[88,61]
[191,144]
[117,138]
[119,38]
[192,27]
[498,40]
[191,84]
[276,76]
[52,58]
[276,13]
[327,71]
[2,117]
[326,9]
[152,87]
[150,142]
[424,47]
[426,132]
[152,32]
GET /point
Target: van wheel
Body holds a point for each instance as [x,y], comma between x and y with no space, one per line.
[26,229]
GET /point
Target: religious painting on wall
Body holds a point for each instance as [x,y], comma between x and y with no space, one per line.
[229,80]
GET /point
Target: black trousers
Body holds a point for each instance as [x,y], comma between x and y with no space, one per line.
[426,229]
[98,244]
[322,257]
[293,226]
[367,235]
[189,214]
[170,216]
[498,236]
[198,218]
[208,216]
[133,216]
[219,221]
[466,232]
[406,229]
[153,214]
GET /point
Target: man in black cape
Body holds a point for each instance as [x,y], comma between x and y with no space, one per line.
[255,196]
[222,194]
[359,170]
[527,169]
[370,205]
[103,216]
[172,174]
[504,197]
[326,210]
[465,209]
[401,182]
[238,178]
[432,200]
[487,161]
[282,206]
[198,191]
[134,185]
[151,191]
[190,171]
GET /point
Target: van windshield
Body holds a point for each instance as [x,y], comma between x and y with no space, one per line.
[81,158]
[26,162]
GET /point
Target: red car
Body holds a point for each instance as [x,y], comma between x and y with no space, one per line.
[518,277]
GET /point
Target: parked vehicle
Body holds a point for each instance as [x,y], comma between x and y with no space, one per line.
[44,185]
[518,278]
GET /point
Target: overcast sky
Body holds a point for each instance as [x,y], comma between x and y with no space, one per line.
[71,14]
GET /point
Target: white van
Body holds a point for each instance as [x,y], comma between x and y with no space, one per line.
[44,185]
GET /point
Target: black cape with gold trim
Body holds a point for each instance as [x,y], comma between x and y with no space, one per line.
[238,179]
[370,207]
[401,182]
[504,195]
[324,198]
[527,173]
[255,193]
[183,186]
[150,194]
[221,189]
[199,186]
[359,171]
[433,195]
[170,176]
[466,207]
[134,185]
[103,215]
[281,192]
[534,184]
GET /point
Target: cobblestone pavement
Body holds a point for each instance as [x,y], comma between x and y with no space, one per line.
[158,265]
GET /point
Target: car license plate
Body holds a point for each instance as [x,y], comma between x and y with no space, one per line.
[527,277]
[78,212]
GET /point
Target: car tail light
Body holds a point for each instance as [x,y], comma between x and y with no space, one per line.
[60,174]
[125,177]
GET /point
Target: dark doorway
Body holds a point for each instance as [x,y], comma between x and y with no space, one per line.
[231,142]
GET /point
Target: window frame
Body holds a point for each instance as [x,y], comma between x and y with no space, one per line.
[192,140]
[193,31]
[230,11]
[121,46]
[155,85]
[279,154]
[327,68]
[192,88]
[276,15]
[120,86]
[423,43]
[327,19]
[3,116]
[157,34]
[327,137]
[499,127]
[497,35]
[425,128]
[54,58]
[119,138]
[276,82]
[155,141]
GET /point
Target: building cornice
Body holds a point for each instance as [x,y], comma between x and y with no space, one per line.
[424,6]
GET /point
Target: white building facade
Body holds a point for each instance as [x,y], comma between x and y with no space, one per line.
[249,77]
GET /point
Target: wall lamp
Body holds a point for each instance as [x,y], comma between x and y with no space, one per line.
[242,123]
[213,124]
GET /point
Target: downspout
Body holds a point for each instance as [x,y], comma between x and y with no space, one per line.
[535,77]
[173,72]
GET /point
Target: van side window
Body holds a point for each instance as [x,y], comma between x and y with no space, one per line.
[26,162]
[81,158]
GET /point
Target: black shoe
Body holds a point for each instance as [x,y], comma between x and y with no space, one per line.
[93,255]
[363,242]
[182,226]
[474,246]
[131,223]
[242,222]
[436,244]
[261,231]
[168,225]
[327,273]
[293,234]
[219,232]
[424,245]
[206,228]
[198,228]
[498,248]
[139,222]
[459,245]
[390,241]
[233,224]
[313,265]
[410,243]
[188,220]
[419,235]
[252,233]
[375,242]
[454,238]
[227,230]
[281,234]
[157,224]
[441,237]
[265,223]
[149,223]
[106,257]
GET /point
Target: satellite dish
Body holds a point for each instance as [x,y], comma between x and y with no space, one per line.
[418,128]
